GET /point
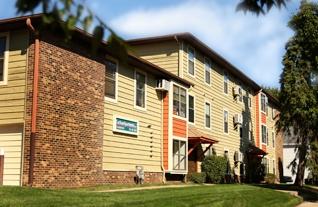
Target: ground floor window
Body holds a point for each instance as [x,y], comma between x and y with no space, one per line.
[179,155]
[265,162]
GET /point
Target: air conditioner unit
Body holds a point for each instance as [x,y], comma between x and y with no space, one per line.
[238,119]
[238,156]
[163,85]
[237,91]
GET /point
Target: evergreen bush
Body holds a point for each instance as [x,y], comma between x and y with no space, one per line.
[214,167]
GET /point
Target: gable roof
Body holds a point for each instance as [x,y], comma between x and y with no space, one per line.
[160,73]
[207,51]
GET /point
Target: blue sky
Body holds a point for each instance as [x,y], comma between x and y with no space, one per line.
[255,45]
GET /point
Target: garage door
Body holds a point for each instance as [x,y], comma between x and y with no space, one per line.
[11,142]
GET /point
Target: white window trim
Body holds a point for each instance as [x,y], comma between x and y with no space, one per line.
[193,61]
[274,166]
[114,100]
[250,129]
[186,154]
[266,104]
[228,122]
[227,81]
[6,58]
[206,59]
[135,90]
[171,98]
[192,123]
[273,139]
[209,128]
[266,138]
[273,112]
[241,95]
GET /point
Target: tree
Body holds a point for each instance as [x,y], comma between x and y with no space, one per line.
[298,91]
[75,12]
[274,91]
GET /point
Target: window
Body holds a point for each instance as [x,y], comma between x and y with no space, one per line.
[110,79]
[4,55]
[191,109]
[264,134]
[273,112]
[226,121]
[274,168]
[140,96]
[190,61]
[249,98]
[207,115]
[241,92]
[179,155]
[263,103]
[265,162]
[179,101]
[273,139]
[225,83]
[207,64]
[250,131]
[241,131]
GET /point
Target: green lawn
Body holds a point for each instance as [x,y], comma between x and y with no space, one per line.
[195,195]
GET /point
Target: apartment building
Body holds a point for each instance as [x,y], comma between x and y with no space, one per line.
[70,119]
[224,105]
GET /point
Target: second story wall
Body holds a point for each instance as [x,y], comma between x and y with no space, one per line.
[13,88]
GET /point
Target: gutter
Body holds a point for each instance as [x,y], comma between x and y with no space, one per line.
[34,100]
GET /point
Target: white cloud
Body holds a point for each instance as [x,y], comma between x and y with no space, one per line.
[253,44]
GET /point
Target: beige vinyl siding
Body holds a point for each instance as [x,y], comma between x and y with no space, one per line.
[123,151]
[164,55]
[12,95]
[219,102]
[11,137]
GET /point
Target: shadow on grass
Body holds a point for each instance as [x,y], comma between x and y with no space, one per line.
[307,193]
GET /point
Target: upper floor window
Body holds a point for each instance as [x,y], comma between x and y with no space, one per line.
[110,79]
[4,55]
[241,131]
[273,139]
[191,109]
[241,92]
[207,115]
[190,61]
[249,98]
[225,82]
[263,103]
[250,131]
[207,65]
[179,101]
[273,112]
[226,121]
[140,89]
[264,134]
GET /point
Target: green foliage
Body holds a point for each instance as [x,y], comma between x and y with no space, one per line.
[197,177]
[255,171]
[61,13]
[214,167]
[274,91]
[270,178]
[256,6]
[299,91]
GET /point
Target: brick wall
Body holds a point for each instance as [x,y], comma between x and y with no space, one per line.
[69,136]
[129,177]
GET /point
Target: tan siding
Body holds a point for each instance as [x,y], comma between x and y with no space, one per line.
[12,98]
[122,151]
[164,54]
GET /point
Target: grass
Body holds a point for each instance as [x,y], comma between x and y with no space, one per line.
[194,195]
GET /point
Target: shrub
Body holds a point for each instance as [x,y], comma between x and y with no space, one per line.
[256,171]
[270,178]
[198,177]
[214,167]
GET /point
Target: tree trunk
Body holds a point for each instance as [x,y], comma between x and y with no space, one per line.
[299,181]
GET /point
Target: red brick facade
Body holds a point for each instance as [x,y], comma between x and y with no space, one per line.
[69,134]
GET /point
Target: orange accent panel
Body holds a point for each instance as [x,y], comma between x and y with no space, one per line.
[179,127]
[165,135]
[263,118]
[257,137]
[264,147]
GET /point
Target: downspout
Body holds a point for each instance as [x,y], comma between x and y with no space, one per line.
[162,167]
[34,100]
